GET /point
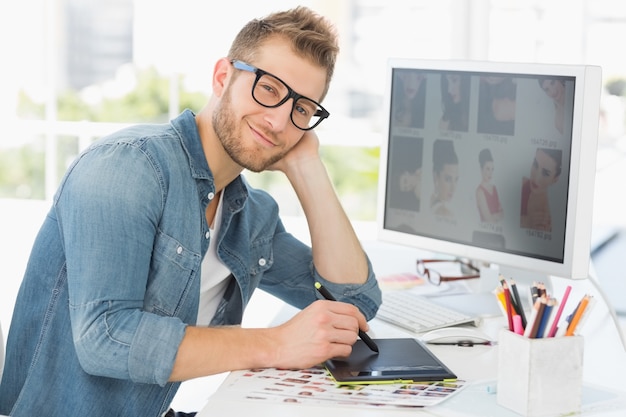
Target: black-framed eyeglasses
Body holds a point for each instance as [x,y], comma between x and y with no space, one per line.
[468,271]
[270,91]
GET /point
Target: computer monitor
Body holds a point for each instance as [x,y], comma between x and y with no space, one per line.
[492,162]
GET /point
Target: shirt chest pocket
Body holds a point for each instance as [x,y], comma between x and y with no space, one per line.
[261,256]
[173,282]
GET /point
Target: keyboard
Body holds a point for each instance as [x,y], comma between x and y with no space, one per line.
[419,314]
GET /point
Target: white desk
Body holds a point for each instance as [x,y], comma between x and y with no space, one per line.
[604,392]
[477,364]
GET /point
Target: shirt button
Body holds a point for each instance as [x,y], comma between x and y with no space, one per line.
[179,250]
[262,262]
[207,235]
[211,196]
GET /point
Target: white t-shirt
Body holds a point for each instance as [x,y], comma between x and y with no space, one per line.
[213,281]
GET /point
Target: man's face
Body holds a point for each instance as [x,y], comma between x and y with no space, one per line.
[254,136]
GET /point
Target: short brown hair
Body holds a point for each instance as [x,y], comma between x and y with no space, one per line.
[312,36]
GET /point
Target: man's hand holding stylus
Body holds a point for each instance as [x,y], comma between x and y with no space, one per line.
[323,330]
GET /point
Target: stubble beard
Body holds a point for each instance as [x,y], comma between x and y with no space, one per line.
[225,126]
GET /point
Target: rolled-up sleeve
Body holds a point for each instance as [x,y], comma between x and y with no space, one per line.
[367,296]
[108,210]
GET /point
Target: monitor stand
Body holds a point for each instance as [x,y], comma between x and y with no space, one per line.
[476,297]
[524,280]
[479,299]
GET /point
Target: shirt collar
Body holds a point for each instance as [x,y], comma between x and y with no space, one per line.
[185,126]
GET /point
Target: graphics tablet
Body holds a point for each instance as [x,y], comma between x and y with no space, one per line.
[402,360]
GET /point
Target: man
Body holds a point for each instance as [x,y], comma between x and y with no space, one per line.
[155,243]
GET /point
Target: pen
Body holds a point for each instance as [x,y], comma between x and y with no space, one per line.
[534,294]
[509,306]
[568,319]
[555,322]
[541,287]
[518,327]
[518,302]
[533,317]
[538,318]
[577,315]
[501,301]
[364,337]
[586,313]
[545,317]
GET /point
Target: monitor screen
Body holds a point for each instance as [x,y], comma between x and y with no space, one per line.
[493,162]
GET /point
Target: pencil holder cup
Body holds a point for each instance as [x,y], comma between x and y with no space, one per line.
[540,377]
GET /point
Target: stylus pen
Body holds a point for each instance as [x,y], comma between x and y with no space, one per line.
[364,337]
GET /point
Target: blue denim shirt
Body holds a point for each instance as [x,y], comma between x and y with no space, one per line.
[114,275]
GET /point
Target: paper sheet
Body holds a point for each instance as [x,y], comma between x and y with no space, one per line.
[313,386]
